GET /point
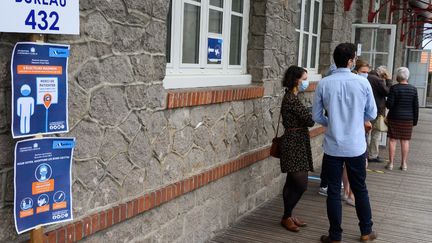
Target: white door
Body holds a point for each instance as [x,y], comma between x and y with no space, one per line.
[418,64]
[377,43]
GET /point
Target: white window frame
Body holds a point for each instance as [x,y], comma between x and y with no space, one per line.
[180,75]
[312,72]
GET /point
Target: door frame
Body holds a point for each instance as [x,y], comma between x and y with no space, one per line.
[391,27]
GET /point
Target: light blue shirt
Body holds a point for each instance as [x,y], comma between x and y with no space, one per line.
[349,102]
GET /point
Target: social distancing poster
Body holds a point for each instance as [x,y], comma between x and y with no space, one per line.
[43,193]
[39,89]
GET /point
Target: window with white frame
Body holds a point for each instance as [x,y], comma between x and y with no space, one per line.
[206,43]
[309,32]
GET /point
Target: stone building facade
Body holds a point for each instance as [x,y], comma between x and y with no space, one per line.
[167,165]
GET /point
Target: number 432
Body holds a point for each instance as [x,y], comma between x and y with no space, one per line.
[44,21]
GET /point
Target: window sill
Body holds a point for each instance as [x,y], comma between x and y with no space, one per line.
[181,81]
[206,96]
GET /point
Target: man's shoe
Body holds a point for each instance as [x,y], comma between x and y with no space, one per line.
[323,191]
[376,160]
[298,222]
[289,224]
[326,239]
[370,237]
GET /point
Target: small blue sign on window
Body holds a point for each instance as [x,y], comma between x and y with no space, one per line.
[214,53]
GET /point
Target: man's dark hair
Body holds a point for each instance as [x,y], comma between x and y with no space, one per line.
[292,74]
[343,53]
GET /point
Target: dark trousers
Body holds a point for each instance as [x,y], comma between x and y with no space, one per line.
[356,169]
[323,175]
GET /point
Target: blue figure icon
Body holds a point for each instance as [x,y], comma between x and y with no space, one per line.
[26,203]
[25,109]
[43,171]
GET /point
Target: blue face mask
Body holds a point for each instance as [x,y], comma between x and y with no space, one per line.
[304,85]
[364,75]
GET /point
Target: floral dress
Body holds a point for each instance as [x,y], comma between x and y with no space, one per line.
[296,154]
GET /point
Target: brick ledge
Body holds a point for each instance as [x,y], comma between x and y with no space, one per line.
[195,97]
[100,221]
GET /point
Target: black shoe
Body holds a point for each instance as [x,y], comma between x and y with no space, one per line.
[376,160]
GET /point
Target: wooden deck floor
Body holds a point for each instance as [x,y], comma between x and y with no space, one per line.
[401,204]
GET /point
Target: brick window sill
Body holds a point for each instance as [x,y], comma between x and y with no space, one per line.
[179,98]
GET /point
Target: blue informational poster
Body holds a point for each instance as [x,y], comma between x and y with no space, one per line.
[43,193]
[214,53]
[39,89]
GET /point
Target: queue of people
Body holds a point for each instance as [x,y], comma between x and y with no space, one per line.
[348,102]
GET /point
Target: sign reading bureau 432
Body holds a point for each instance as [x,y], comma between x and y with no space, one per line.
[43,182]
[40,16]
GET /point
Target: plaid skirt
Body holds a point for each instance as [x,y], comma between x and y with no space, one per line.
[398,129]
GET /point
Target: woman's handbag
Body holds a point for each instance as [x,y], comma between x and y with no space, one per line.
[380,124]
[275,147]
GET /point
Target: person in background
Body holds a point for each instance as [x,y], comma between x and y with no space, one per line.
[296,153]
[403,106]
[349,101]
[380,83]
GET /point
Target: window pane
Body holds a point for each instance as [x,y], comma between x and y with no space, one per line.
[217,3]
[313,52]
[307,16]
[168,40]
[191,33]
[237,6]
[215,21]
[236,40]
[315,17]
[305,50]
[298,19]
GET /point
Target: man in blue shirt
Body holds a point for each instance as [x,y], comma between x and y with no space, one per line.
[349,102]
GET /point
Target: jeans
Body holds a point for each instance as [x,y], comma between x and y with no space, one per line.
[323,175]
[356,169]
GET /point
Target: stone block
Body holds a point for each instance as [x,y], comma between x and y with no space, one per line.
[195,160]
[89,139]
[89,172]
[179,118]
[127,38]
[155,122]
[98,28]
[7,147]
[119,167]
[183,140]
[154,33]
[90,75]
[108,106]
[154,176]
[134,183]
[116,70]
[140,151]
[131,126]
[173,168]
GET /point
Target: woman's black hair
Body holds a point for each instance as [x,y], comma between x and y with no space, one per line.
[292,74]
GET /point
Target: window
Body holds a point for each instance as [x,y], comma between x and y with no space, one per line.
[309,31]
[206,43]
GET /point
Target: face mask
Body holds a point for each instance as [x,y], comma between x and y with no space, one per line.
[304,85]
[364,75]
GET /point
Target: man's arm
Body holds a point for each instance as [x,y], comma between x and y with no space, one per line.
[371,108]
[318,107]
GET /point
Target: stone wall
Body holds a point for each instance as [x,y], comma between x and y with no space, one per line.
[335,29]
[128,143]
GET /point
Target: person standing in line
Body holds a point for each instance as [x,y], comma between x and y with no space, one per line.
[348,99]
[381,86]
[403,106]
[296,153]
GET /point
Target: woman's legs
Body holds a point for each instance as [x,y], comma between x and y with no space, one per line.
[404,150]
[392,149]
[295,186]
[348,194]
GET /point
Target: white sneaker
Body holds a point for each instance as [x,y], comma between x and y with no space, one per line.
[350,202]
[323,191]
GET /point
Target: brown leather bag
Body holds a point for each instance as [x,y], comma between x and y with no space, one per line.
[275,147]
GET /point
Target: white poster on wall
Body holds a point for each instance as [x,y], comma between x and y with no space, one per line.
[40,16]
